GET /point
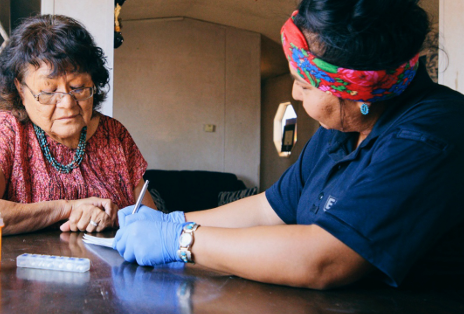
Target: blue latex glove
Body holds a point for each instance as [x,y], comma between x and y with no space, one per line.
[149,243]
[125,216]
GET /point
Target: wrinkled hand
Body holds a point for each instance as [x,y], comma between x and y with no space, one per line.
[102,211]
[149,243]
[146,213]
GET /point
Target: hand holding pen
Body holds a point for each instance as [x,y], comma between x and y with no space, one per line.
[136,212]
[140,226]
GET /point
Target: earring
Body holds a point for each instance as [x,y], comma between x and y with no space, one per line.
[364,109]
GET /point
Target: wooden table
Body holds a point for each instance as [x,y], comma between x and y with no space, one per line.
[115,286]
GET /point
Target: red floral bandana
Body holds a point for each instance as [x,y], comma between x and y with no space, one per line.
[366,86]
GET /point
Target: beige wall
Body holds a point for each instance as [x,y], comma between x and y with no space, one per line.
[431,6]
[173,76]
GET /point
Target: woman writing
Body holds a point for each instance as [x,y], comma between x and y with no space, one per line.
[59,158]
[373,189]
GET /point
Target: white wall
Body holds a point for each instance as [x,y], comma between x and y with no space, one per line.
[98,18]
[451,26]
[172,76]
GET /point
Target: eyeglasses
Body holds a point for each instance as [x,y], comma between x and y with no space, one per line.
[48,98]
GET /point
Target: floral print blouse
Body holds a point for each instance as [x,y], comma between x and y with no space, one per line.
[111,168]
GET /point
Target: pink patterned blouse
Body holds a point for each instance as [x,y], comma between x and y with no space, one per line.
[111,168]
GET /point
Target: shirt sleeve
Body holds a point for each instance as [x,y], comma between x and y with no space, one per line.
[284,195]
[135,161]
[8,132]
[401,203]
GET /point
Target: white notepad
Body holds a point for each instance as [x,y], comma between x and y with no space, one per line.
[108,242]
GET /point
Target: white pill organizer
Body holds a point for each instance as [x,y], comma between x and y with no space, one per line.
[52,262]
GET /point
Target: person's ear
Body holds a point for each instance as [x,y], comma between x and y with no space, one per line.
[19,88]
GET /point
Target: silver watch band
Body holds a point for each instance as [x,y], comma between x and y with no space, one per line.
[186,240]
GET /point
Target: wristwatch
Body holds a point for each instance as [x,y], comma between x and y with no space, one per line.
[186,241]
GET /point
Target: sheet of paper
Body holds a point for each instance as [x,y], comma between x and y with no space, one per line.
[108,242]
[107,254]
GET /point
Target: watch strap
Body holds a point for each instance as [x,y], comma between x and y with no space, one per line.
[184,252]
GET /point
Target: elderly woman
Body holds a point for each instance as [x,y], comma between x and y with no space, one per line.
[59,158]
[373,190]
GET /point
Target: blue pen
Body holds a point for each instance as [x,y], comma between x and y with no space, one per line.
[139,200]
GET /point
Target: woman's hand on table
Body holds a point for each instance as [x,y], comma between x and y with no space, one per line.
[99,211]
[126,217]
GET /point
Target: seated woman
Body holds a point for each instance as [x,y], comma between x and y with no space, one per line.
[60,159]
[373,190]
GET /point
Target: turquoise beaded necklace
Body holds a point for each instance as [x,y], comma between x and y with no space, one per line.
[78,156]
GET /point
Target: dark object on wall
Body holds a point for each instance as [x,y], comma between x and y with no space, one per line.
[185,190]
[118,39]
[288,136]
[20,9]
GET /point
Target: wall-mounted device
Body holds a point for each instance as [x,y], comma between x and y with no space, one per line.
[288,136]
[285,129]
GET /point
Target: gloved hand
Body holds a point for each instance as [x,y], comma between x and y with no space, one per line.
[149,243]
[125,216]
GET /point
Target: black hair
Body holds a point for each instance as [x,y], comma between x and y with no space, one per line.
[363,34]
[58,41]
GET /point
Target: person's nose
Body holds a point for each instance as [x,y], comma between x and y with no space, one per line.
[66,100]
[296,92]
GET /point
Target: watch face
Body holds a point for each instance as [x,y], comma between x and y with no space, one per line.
[185,239]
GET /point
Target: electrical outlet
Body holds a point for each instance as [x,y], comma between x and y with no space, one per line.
[209,128]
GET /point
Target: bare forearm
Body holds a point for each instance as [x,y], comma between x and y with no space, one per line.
[20,218]
[248,212]
[289,255]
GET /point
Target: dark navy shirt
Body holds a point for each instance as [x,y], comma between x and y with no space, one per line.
[395,195]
